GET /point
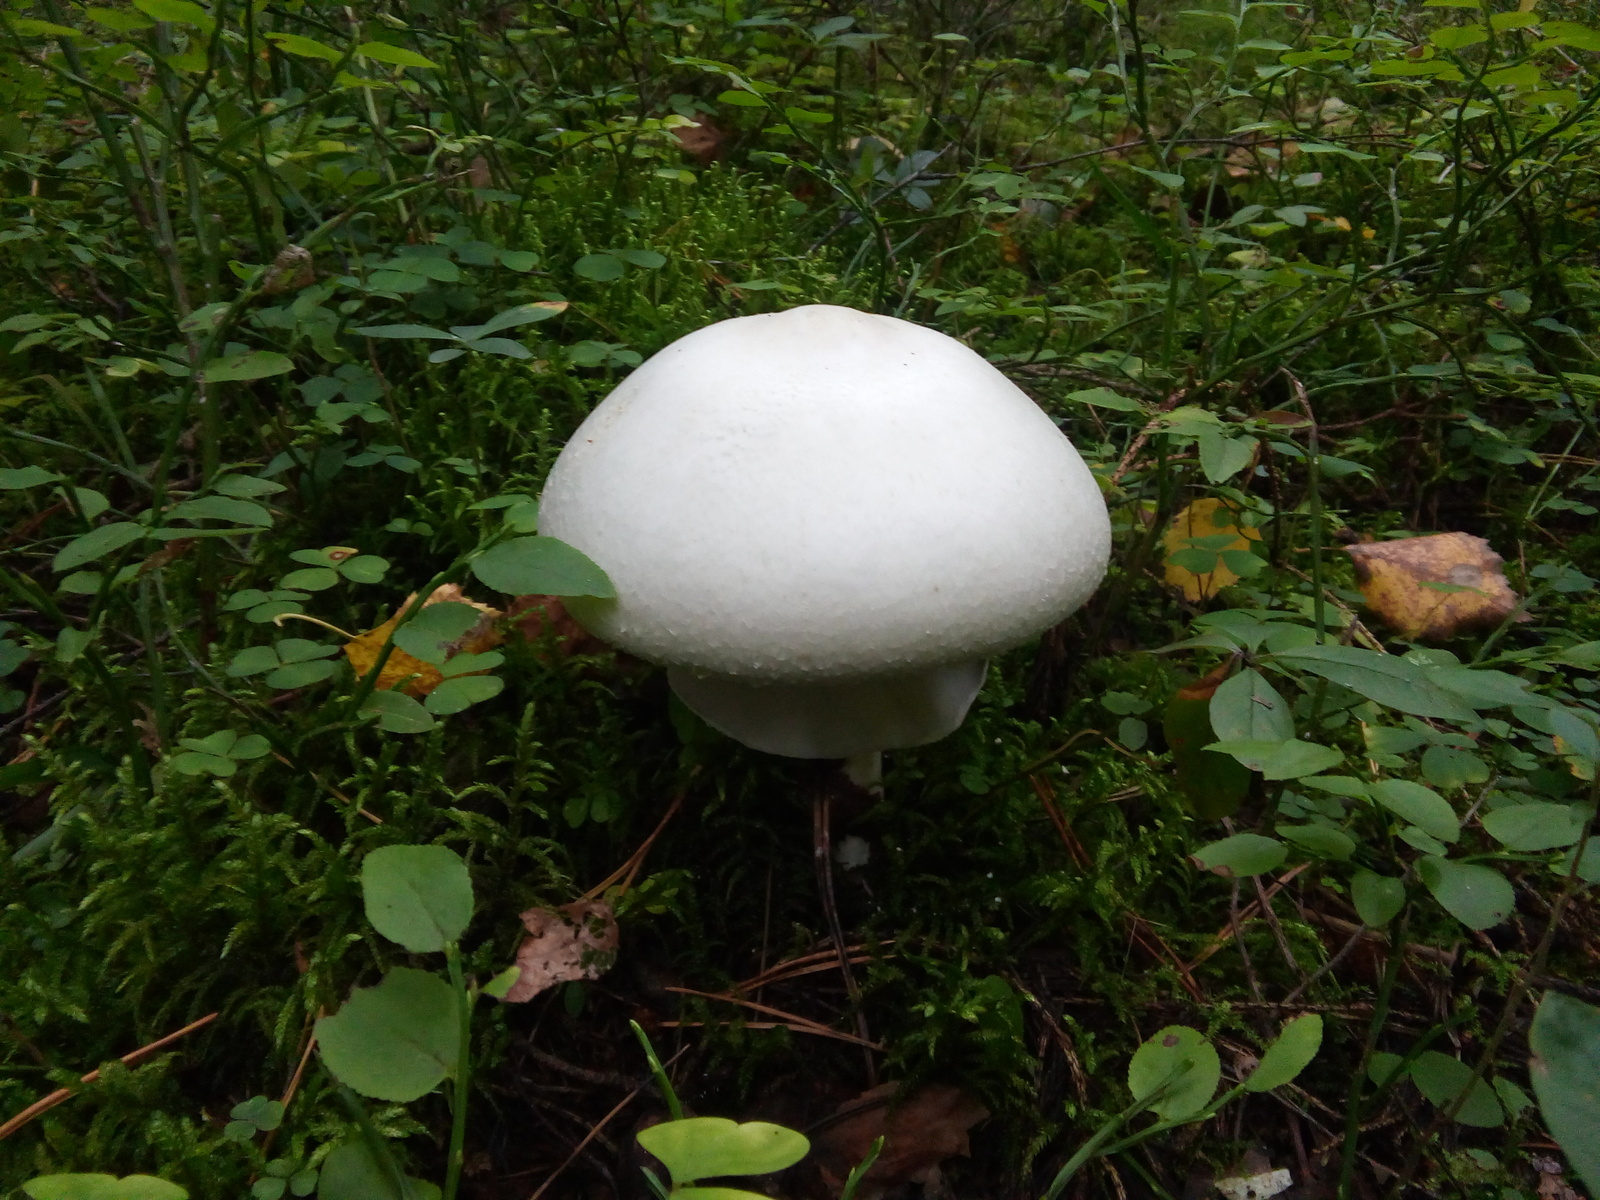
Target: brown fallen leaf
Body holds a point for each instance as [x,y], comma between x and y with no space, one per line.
[1431,589]
[533,616]
[575,941]
[701,141]
[1204,518]
[919,1133]
[419,677]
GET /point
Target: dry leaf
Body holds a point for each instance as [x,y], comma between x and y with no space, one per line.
[920,1132]
[575,941]
[1206,517]
[534,616]
[290,270]
[701,141]
[1431,589]
[420,677]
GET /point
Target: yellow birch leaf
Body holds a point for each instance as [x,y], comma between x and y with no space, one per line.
[1204,518]
[416,677]
[1431,589]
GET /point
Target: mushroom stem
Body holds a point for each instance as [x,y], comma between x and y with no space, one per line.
[865,770]
[834,718]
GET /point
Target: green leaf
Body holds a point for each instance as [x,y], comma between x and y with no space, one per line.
[1579,37]
[180,12]
[298,675]
[33,27]
[1102,397]
[541,566]
[1222,457]
[428,634]
[1449,768]
[397,56]
[1539,825]
[102,1187]
[1458,37]
[1565,1069]
[13,478]
[294,43]
[523,314]
[298,650]
[1324,841]
[1422,806]
[310,579]
[1378,899]
[710,1147]
[396,1041]
[1385,679]
[1524,75]
[1243,854]
[462,692]
[1442,1079]
[222,508]
[1248,708]
[1182,1057]
[1290,1054]
[96,544]
[600,267]
[1473,894]
[1281,760]
[398,713]
[740,99]
[252,660]
[364,568]
[418,896]
[351,1173]
[405,331]
[256,364]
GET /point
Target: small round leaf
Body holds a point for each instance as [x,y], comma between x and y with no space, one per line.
[1180,1060]
[1295,1047]
[396,1041]
[709,1147]
[419,896]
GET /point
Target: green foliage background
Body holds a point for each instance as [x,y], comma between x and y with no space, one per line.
[1336,267]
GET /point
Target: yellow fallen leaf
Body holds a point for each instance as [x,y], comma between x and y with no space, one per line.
[1431,589]
[420,678]
[1205,518]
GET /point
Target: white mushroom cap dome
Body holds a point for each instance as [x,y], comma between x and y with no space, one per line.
[822,495]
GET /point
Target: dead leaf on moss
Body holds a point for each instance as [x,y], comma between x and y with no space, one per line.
[1194,529]
[575,941]
[534,616]
[1431,589]
[420,678]
[919,1133]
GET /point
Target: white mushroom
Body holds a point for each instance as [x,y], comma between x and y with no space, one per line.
[823,522]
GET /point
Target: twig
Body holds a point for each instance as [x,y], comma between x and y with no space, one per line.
[794,1018]
[61,1095]
[595,1132]
[628,870]
[813,1030]
[1247,913]
[1138,442]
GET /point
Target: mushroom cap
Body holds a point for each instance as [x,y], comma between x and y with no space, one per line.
[821,494]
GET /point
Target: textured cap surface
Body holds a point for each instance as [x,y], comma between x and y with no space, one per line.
[824,493]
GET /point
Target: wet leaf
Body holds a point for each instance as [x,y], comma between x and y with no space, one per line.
[1565,1040]
[1214,784]
[1243,854]
[1431,589]
[1473,894]
[1205,519]
[396,1041]
[575,941]
[1442,1079]
[419,896]
[1182,1058]
[920,1130]
[1293,1050]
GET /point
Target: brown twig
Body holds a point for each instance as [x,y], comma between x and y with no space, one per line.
[1138,442]
[1247,913]
[61,1095]
[595,1132]
[627,872]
